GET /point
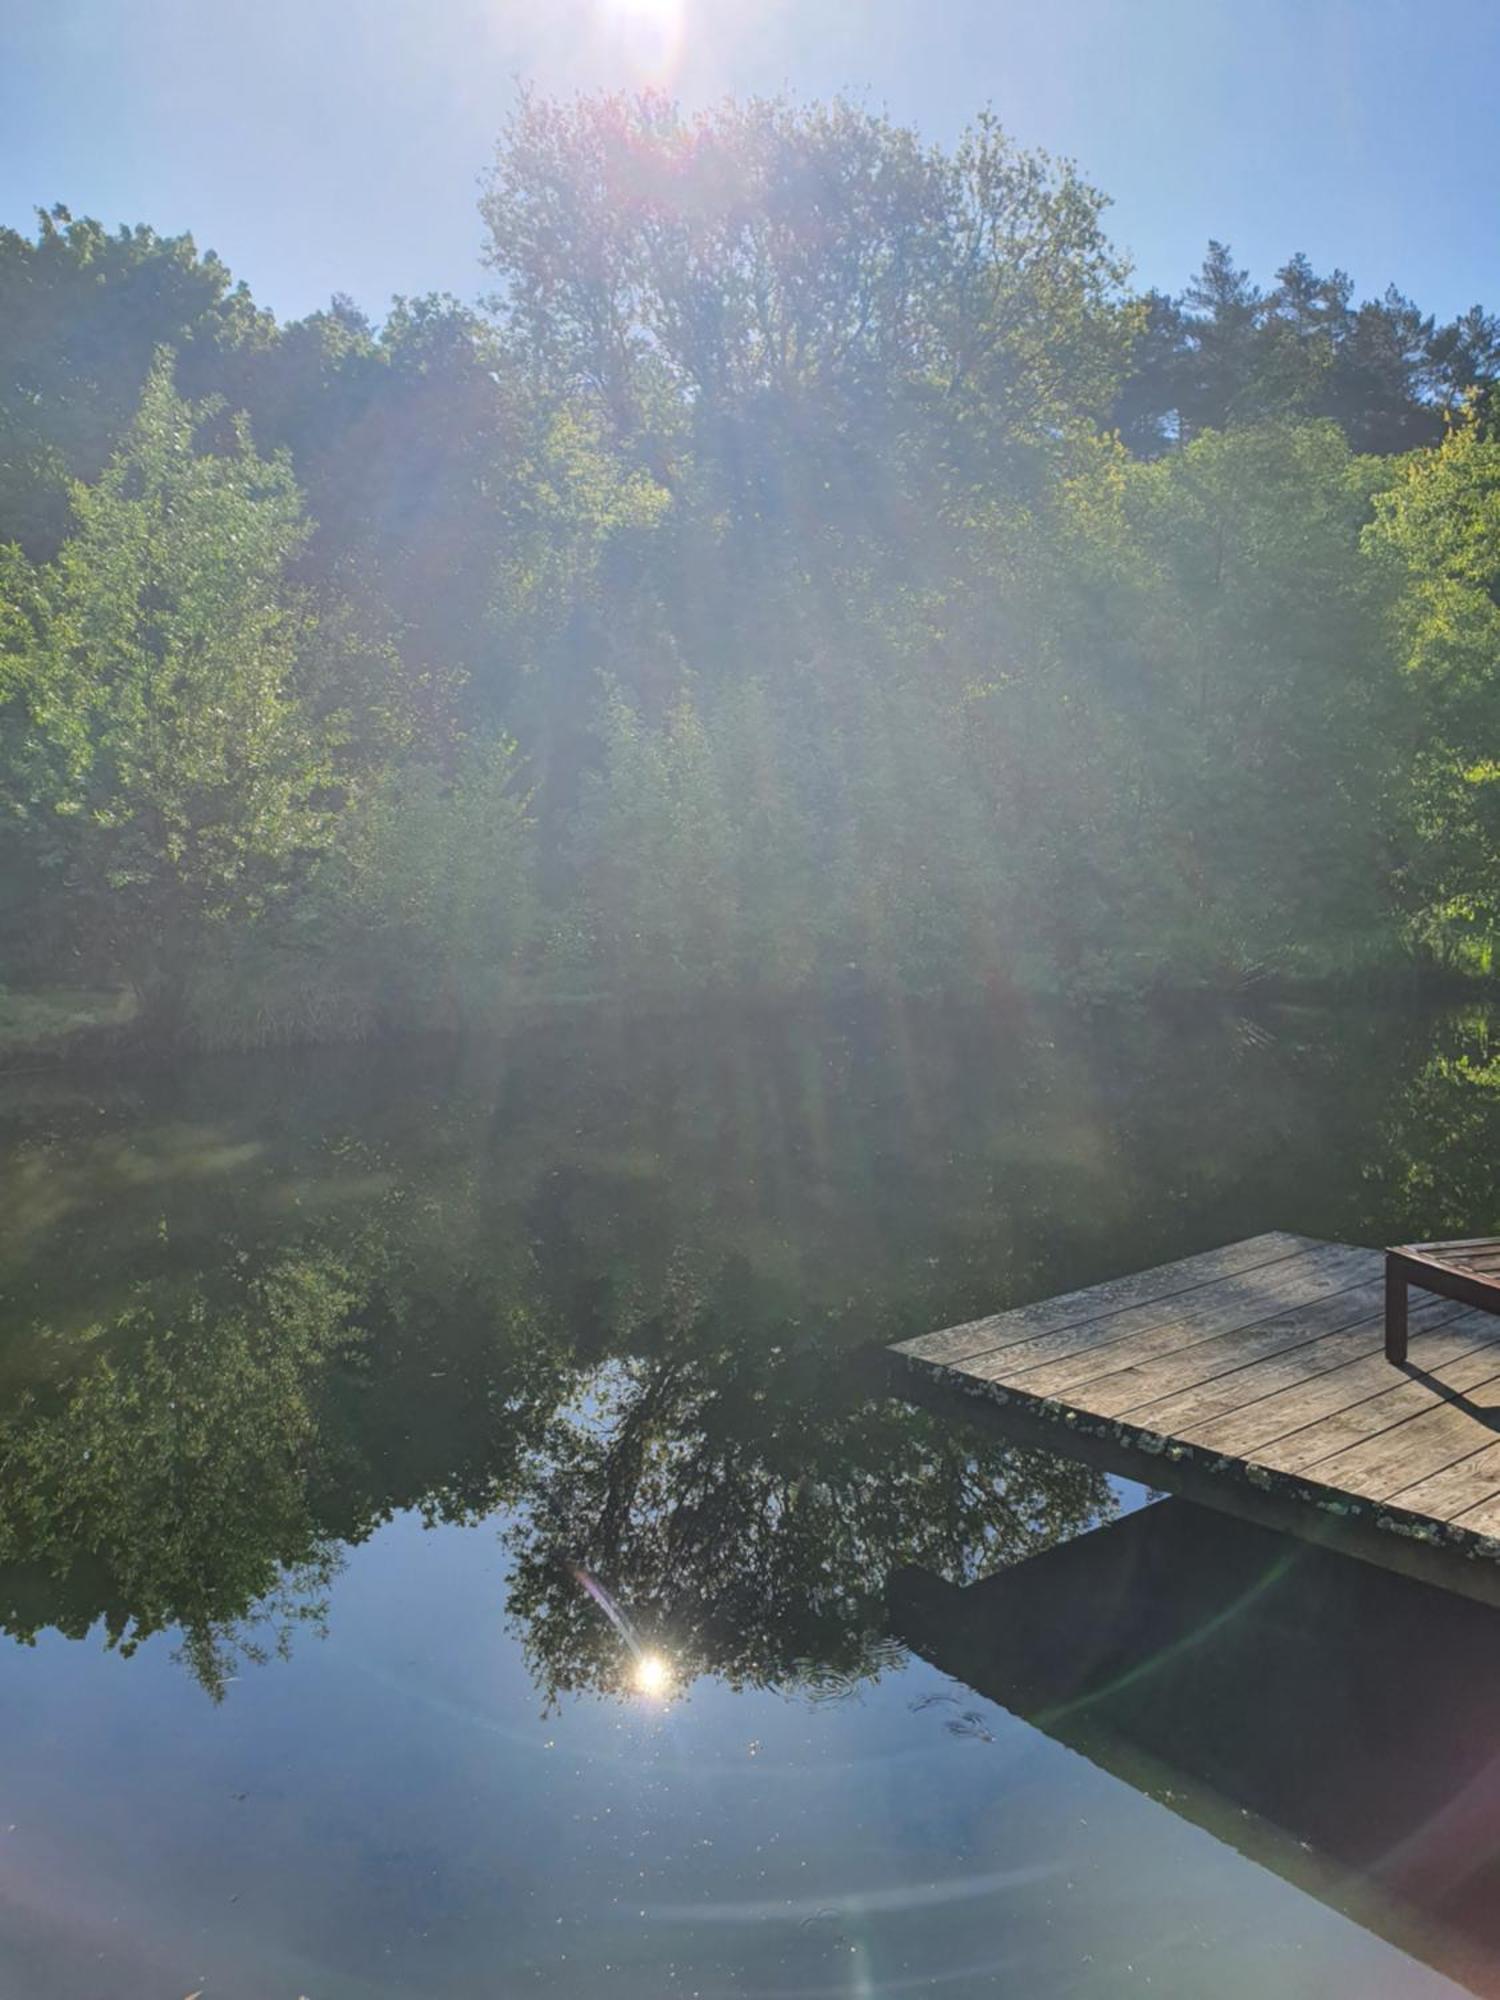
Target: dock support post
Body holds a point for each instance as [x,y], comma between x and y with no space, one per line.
[1395,1311]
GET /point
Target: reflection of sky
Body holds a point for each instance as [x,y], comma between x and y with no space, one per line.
[389,1813]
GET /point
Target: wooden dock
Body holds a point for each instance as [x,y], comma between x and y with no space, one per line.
[1253,1379]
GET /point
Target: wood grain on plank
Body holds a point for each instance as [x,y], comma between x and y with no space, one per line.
[1322,1437]
[1433,1435]
[1312,1383]
[1481,1520]
[1225,1371]
[958,1343]
[1051,1363]
[1470,1483]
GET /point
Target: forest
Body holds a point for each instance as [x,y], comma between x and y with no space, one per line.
[809,564]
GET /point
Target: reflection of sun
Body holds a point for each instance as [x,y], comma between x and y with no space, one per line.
[652,1675]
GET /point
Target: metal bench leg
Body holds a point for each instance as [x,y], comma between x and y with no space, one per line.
[1395,1312]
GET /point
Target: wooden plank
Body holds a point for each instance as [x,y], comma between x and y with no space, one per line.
[1299,1448]
[1404,1452]
[1299,1388]
[1228,1360]
[1481,1520]
[957,1343]
[1472,1485]
[1333,1342]
[1054,1362]
[1156,1327]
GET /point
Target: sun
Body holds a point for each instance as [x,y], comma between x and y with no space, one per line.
[648,34]
[643,14]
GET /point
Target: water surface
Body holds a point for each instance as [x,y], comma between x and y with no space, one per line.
[446,1552]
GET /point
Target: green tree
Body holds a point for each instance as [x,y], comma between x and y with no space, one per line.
[168,761]
[1227,352]
[429,894]
[1437,532]
[83,311]
[1228,639]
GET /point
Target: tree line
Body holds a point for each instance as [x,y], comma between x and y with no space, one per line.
[811,563]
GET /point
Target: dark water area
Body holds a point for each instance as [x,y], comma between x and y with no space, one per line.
[445,1549]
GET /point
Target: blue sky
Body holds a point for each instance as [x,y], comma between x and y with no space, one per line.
[335,145]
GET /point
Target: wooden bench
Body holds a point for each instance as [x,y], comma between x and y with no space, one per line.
[1468,1271]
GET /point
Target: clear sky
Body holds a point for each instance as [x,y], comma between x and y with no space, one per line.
[335,145]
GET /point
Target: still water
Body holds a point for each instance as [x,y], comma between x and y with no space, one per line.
[446,1551]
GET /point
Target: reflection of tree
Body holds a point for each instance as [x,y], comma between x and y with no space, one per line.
[219,1440]
[606,1278]
[441,1405]
[744,1504]
[212,1446]
[1437,1172]
[166,1483]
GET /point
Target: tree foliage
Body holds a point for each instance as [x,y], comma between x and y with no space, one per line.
[1227,352]
[1437,527]
[167,757]
[810,566]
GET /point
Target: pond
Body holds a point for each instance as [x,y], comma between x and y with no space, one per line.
[447,1550]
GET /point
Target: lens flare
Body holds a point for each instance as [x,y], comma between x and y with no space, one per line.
[652,1676]
[651,1673]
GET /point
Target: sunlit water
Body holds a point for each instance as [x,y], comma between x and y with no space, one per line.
[451,1548]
